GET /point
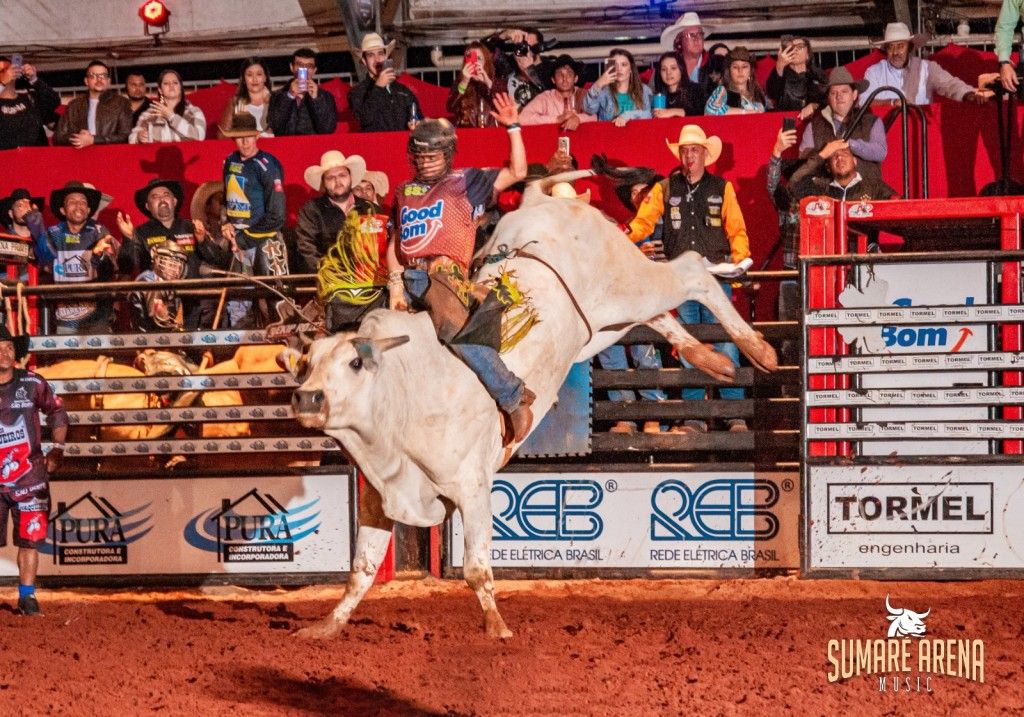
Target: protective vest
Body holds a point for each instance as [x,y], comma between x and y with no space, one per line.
[693,218]
[435,220]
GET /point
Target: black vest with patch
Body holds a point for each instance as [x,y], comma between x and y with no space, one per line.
[693,218]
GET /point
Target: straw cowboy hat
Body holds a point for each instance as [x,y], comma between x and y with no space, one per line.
[692,134]
[564,190]
[899,32]
[105,199]
[685,22]
[842,76]
[241,124]
[373,41]
[197,207]
[379,180]
[329,160]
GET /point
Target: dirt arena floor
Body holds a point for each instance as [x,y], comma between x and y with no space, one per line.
[641,647]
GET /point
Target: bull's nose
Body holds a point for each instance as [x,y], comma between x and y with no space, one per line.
[305,402]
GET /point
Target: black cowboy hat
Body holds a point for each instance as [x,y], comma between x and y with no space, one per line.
[142,195]
[92,196]
[20,342]
[7,202]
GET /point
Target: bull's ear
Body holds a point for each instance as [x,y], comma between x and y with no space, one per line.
[291,361]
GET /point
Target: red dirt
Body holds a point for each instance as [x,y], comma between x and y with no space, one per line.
[641,647]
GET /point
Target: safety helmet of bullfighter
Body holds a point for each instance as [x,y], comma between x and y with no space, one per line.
[169,261]
[432,135]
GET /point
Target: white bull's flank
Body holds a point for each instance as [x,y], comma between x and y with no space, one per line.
[420,425]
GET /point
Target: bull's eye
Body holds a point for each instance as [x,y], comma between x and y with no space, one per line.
[356,363]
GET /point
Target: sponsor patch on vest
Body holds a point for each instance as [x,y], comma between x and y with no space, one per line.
[420,226]
[675,201]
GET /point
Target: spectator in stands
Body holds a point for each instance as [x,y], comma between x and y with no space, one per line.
[739,92]
[343,239]
[101,116]
[135,91]
[687,38]
[374,188]
[470,101]
[703,216]
[26,104]
[846,182]
[21,215]
[159,201]
[829,129]
[796,83]
[717,55]
[255,201]
[618,94]
[252,96]
[525,76]
[918,79]
[561,105]
[78,250]
[172,118]
[379,103]
[680,94]
[302,107]
[1011,12]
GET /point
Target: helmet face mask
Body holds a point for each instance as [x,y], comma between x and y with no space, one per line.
[430,137]
[169,261]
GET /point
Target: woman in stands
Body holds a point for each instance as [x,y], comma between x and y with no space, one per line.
[618,94]
[739,92]
[253,95]
[796,83]
[171,118]
[682,97]
[470,100]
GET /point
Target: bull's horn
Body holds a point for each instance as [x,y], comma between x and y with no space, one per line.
[890,607]
[540,187]
[390,343]
[370,350]
[925,614]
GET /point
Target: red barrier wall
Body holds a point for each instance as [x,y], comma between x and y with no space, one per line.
[963,151]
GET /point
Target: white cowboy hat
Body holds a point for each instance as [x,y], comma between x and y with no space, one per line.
[899,32]
[686,20]
[380,183]
[329,160]
[373,41]
[692,134]
[564,190]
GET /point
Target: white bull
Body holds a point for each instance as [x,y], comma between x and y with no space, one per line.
[418,422]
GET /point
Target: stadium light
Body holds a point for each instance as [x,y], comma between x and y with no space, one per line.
[156,18]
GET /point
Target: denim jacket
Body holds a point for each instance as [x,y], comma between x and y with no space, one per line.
[598,101]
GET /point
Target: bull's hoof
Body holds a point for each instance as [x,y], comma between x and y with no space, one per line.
[760,352]
[322,630]
[703,357]
[495,626]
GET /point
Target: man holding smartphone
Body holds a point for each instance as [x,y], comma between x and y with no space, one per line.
[379,103]
[301,107]
[26,103]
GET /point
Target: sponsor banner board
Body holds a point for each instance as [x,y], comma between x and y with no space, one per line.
[917,516]
[277,524]
[642,520]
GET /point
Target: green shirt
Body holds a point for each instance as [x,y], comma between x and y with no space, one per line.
[1011,12]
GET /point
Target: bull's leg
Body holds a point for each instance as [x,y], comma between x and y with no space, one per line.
[476,520]
[371,545]
[703,287]
[700,355]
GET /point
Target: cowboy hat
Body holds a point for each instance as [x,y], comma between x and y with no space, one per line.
[329,160]
[380,183]
[242,124]
[899,32]
[564,190]
[7,202]
[740,54]
[685,21]
[842,76]
[197,207]
[20,342]
[692,134]
[373,41]
[105,199]
[92,195]
[142,195]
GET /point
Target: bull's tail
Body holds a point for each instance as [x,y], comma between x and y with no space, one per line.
[541,187]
